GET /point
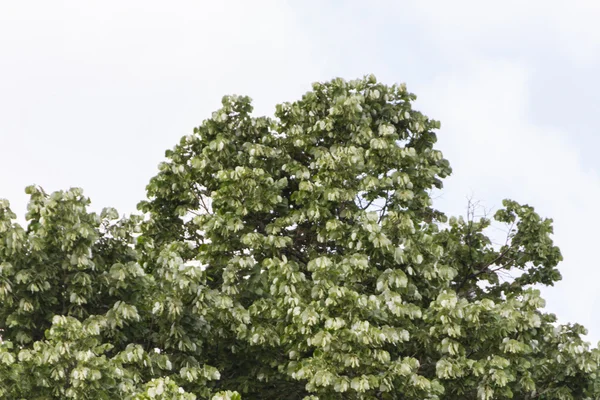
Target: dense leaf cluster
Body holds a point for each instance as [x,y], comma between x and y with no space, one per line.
[298,257]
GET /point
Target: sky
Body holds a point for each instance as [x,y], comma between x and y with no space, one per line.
[92,93]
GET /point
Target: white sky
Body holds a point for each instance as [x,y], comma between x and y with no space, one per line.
[92,93]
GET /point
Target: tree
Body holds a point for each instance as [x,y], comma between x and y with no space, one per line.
[298,257]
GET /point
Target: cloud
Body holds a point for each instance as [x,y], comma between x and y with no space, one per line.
[92,94]
[564,29]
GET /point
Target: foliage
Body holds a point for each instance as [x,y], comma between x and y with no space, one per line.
[298,257]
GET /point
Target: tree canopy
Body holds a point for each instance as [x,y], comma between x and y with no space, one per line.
[293,257]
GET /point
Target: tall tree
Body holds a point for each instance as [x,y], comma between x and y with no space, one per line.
[298,257]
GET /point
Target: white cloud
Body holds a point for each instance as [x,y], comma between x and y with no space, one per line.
[93,93]
[564,29]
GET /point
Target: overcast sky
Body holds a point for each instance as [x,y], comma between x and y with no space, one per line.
[93,92]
